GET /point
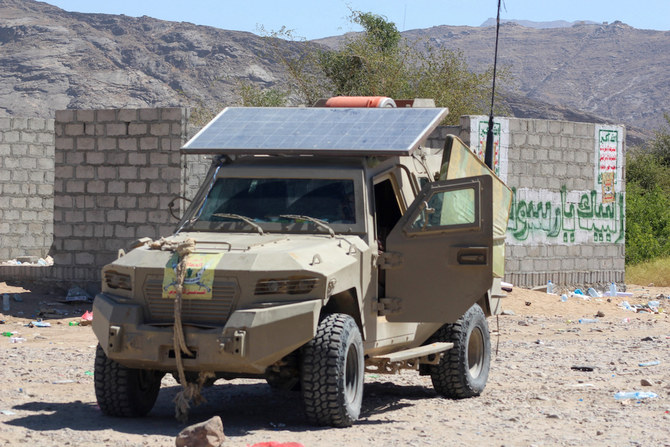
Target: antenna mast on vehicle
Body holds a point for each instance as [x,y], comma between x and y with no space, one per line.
[488,155]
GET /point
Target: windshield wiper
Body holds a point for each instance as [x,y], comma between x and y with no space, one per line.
[242,218]
[318,222]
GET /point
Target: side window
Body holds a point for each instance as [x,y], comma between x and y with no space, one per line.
[450,208]
[387,210]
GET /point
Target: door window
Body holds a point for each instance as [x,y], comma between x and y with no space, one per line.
[451,208]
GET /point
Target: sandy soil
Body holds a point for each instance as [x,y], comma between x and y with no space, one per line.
[533,397]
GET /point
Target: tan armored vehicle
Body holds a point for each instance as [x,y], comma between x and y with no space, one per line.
[327,242]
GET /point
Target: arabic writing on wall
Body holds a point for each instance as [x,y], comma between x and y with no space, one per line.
[564,218]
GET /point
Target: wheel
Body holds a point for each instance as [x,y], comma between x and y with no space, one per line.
[124,392]
[464,369]
[332,372]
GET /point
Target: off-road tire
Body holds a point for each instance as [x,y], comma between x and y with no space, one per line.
[332,372]
[124,392]
[464,369]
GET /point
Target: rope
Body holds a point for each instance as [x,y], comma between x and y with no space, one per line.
[190,392]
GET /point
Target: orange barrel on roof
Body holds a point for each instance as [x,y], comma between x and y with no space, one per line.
[360,101]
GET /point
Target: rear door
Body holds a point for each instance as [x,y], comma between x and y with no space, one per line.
[438,257]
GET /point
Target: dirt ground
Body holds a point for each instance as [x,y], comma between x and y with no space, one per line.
[534,397]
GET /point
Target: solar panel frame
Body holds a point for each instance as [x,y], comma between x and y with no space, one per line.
[316,131]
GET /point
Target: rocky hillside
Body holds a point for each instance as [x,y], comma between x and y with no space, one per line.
[613,71]
[51,59]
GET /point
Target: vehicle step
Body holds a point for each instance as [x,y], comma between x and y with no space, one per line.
[413,353]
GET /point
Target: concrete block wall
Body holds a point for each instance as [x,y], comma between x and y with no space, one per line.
[115,172]
[26,187]
[560,229]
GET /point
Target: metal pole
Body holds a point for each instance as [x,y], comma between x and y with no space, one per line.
[488,154]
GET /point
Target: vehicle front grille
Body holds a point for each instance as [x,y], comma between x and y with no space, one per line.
[206,311]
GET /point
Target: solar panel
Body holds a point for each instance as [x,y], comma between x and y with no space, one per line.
[317,130]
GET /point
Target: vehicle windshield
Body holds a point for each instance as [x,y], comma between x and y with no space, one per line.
[267,199]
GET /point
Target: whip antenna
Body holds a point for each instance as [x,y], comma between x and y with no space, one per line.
[488,155]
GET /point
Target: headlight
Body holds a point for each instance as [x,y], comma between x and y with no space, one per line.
[116,280]
[289,286]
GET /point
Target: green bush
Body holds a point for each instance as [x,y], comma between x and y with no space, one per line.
[647,223]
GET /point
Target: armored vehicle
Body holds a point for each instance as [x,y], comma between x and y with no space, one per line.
[325,242]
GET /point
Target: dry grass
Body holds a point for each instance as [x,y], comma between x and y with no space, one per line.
[655,272]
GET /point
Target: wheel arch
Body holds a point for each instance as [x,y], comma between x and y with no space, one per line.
[346,302]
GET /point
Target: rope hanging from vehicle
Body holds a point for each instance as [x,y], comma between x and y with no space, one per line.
[190,392]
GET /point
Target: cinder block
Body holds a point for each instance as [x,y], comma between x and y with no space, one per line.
[127,172]
[158,159]
[84,172]
[128,143]
[64,116]
[45,190]
[105,201]
[95,216]
[85,143]
[126,202]
[95,187]
[72,244]
[147,202]
[159,129]
[107,172]
[64,143]
[116,216]
[115,158]
[106,143]
[137,159]
[75,186]
[74,129]
[74,158]
[159,216]
[116,129]
[128,115]
[63,201]
[172,113]
[137,187]
[116,187]
[148,144]
[83,258]
[108,115]
[27,137]
[149,173]
[158,188]
[62,259]
[148,114]
[95,158]
[137,129]
[124,231]
[137,216]
[86,116]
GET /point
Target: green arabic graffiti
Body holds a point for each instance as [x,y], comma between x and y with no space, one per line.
[602,222]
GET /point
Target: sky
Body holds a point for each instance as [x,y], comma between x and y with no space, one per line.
[313,19]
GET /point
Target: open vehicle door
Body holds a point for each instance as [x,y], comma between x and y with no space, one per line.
[439,255]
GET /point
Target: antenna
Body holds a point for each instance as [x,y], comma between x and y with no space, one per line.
[488,155]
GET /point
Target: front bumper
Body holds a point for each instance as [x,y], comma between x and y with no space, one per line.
[249,342]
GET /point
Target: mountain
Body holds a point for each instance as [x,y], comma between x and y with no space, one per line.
[51,59]
[538,25]
[612,71]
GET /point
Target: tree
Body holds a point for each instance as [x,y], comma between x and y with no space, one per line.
[648,200]
[380,62]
